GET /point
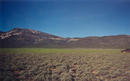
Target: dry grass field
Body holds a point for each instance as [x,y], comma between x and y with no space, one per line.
[39,64]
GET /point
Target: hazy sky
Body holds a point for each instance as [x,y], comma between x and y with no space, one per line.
[73,18]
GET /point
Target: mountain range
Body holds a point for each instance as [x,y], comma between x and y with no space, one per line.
[21,38]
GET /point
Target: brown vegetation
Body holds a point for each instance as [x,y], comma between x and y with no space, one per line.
[64,67]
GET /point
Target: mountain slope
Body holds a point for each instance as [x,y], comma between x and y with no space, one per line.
[18,37]
[27,38]
[119,41]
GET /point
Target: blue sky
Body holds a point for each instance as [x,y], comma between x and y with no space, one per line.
[67,18]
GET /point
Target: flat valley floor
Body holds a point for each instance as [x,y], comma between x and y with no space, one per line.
[53,64]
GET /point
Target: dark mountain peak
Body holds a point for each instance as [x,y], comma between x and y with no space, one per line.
[24,30]
[28,33]
[15,30]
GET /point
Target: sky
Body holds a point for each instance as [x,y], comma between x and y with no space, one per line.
[67,18]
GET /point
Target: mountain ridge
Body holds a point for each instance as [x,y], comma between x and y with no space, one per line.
[17,28]
[19,37]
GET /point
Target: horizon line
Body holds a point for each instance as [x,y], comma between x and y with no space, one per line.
[65,37]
